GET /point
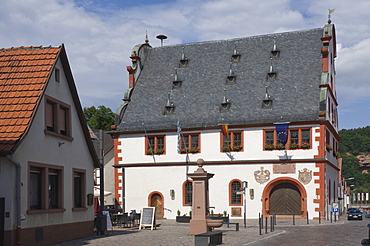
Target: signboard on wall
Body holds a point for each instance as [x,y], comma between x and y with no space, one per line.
[147,217]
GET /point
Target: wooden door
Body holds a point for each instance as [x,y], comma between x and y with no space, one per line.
[156,201]
[285,199]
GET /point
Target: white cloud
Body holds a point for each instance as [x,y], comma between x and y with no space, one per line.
[99,35]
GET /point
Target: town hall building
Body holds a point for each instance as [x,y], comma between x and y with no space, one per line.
[261,111]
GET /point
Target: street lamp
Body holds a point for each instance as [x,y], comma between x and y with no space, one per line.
[245,186]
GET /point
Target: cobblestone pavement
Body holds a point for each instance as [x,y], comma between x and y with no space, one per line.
[170,233]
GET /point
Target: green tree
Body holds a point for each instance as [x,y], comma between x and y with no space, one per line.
[99,118]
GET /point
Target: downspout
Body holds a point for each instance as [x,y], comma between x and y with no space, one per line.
[17,197]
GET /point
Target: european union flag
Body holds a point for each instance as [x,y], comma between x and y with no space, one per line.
[282,132]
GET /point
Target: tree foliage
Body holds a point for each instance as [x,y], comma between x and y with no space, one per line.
[99,118]
[353,142]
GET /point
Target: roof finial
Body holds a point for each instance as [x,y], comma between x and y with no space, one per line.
[329,16]
[146,37]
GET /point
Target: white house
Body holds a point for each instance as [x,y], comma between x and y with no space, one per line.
[47,158]
[259,109]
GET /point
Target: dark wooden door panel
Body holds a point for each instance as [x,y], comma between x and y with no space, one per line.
[285,199]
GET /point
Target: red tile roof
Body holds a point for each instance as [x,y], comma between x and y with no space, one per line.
[24,72]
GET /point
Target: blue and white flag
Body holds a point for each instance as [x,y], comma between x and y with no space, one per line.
[178,136]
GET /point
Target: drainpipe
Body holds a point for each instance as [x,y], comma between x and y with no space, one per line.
[17,197]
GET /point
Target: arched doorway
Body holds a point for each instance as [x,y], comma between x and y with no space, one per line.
[284,196]
[156,200]
[285,199]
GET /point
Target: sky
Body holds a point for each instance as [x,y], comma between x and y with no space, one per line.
[99,36]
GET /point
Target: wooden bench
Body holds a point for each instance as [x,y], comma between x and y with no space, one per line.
[231,223]
[208,238]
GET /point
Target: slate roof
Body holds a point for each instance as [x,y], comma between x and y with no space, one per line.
[24,72]
[295,92]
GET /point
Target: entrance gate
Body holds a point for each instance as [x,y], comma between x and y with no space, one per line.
[285,199]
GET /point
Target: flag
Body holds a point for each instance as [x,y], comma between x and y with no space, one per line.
[282,132]
[363,197]
[367,196]
[178,136]
[359,197]
[331,11]
[225,133]
[225,130]
[354,197]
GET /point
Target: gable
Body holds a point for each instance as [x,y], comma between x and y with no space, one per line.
[24,72]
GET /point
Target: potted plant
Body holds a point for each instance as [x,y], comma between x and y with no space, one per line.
[269,146]
[237,148]
[328,147]
[293,146]
[220,216]
[226,149]
[194,150]
[280,146]
[305,145]
[183,150]
[159,151]
[184,218]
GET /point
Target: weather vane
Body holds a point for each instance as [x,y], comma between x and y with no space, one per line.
[329,16]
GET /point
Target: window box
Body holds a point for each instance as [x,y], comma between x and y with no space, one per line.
[280,146]
[328,147]
[269,147]
[155,152]
[305,146]
[294,146]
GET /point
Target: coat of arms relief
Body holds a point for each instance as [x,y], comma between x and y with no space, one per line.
[262,176]
[305,176]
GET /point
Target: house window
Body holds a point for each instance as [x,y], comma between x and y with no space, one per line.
[233,143]
[53,188]
[57,74]
[79,184]
[297,139]
[57,118]
[45,189]
[189,143]
[155,145]
[234,187]
[188,193]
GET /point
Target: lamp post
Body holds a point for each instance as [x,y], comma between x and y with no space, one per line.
[245,186]
[347,196]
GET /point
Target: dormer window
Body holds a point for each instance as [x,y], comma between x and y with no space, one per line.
[267,101]
[230,80]
[176,83]
[271,75]
[169,108]
[184,61]
[275,52]
[225,105]
[235,56]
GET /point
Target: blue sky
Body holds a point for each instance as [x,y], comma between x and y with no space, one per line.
[100,34]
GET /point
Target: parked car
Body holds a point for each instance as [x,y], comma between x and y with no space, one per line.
[354,214]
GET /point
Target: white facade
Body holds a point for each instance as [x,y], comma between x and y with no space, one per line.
[159,173]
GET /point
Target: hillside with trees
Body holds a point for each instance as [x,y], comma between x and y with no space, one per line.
[353,147]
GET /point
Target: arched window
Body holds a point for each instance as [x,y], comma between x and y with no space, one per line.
[188,193]
[234,187]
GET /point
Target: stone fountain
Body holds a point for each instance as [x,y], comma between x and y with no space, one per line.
[200,221]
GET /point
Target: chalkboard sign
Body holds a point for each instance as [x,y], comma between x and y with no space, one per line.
[147,217]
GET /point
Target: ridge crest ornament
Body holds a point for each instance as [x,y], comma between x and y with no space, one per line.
[305,176]
[262,176]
